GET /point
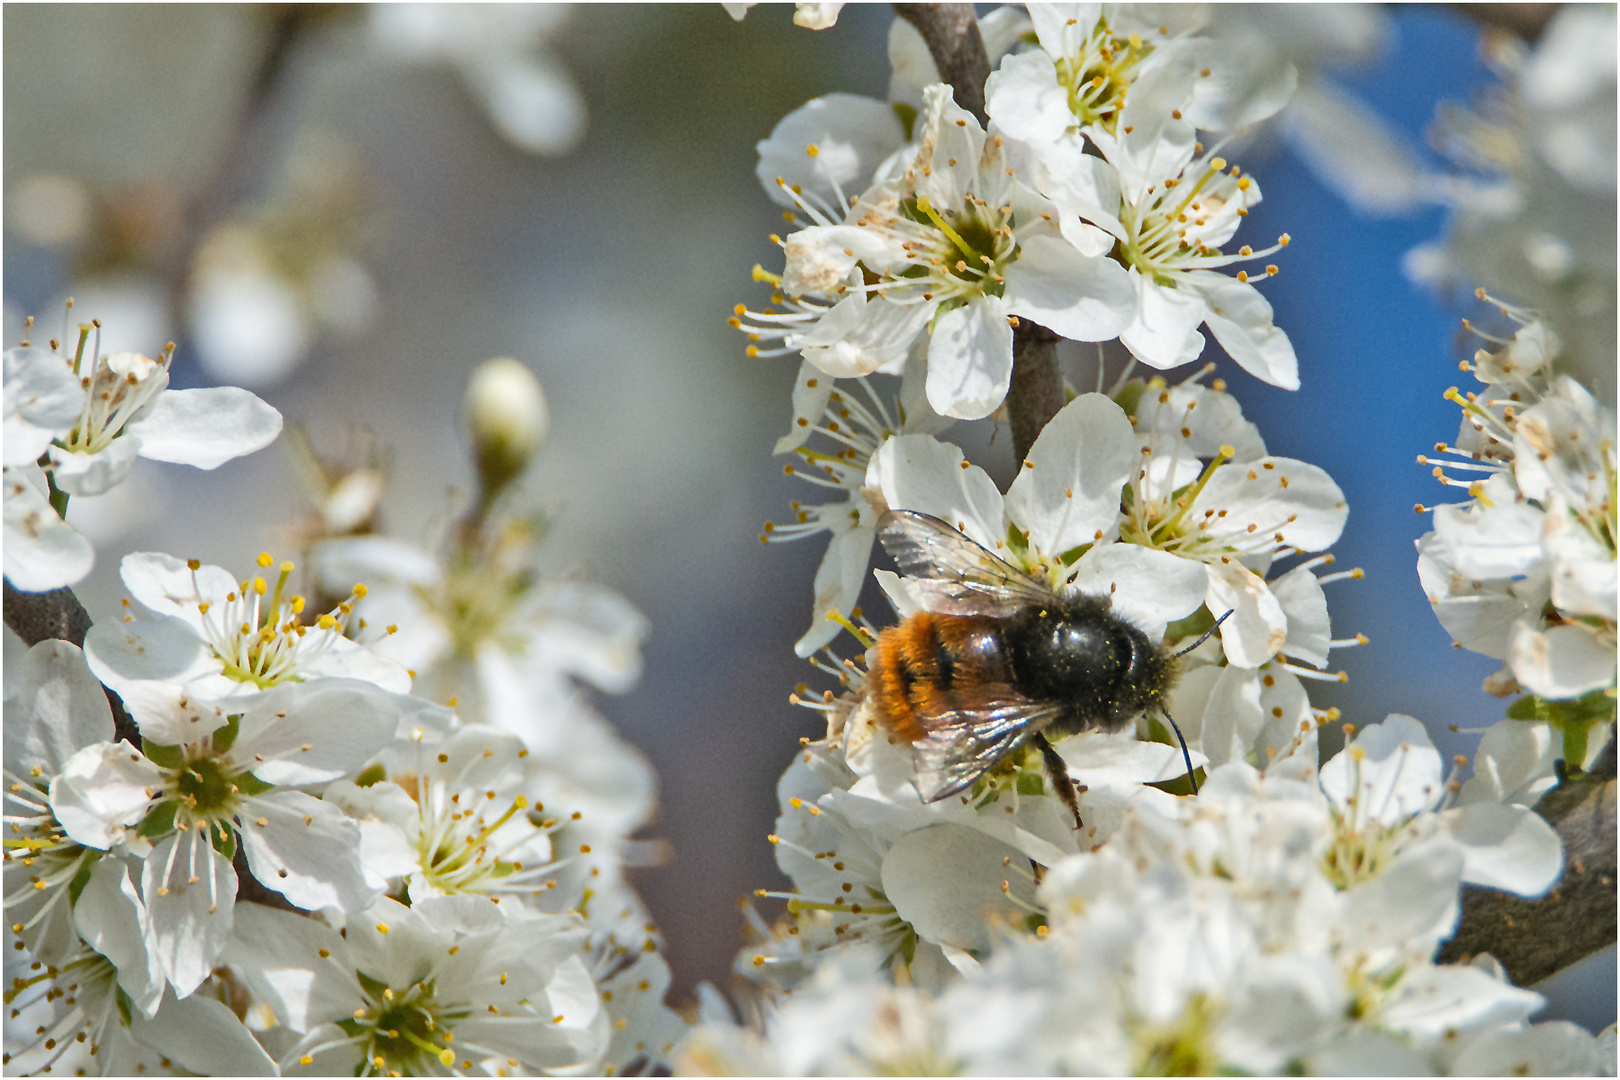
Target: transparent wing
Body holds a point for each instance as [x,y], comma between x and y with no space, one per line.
[959,747]
[955,575]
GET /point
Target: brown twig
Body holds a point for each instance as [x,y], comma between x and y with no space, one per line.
[1536,938]
[1036,393]
[1525,20]
[952,34]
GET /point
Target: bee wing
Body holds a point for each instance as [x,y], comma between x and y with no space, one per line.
[955,575]
[959,747]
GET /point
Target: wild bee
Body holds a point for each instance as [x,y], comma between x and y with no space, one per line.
[997,659]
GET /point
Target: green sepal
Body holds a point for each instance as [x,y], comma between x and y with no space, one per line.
[126,1007]
[1072,556]
[224,841]
[223,737]
[907,950]
[164,757]
[907,115]
[80,880]
[373,987]
[248,784]
[1574,719]
[1016,540]
[160,821]
[1130,396]
[371,775]
[1031,783]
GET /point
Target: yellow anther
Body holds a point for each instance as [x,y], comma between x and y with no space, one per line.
[265,559]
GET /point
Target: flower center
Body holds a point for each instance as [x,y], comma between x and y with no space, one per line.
[1099,74]
[397,1029]
[265,642]
[119,389]
[1172,229]
[1181,1048]
[208,787]
[969,247]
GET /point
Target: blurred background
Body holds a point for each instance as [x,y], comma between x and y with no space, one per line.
[346,209]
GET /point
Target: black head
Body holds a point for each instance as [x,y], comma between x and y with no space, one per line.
[1105,671]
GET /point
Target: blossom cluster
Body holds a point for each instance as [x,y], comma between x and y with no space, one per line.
[1220,900]
[1524,571]
[1283,921]
[282,854]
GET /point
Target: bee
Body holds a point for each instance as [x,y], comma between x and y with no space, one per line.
[996,660]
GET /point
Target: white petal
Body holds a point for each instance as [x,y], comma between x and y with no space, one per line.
[852,135]
[305,849]
[1081,297]
[53,707]
[1232,718]
[1514,763]
[206,427]
[203,1036]
[42,552]
[1394,773]
[1240,319]
[147,650]
[98,473]
[308,733]
[531,101]
[1353,151]
[43,399]
[970,360]
[1080,183]
[838,583]
[1257,628]
[1561,661]
[1435,1001]
[811,392]
[1273,501]
[1149,588]
[1558,1048]
[190,920]
[1506,847]
[112,920]
[1410,903]
[1486,542]
[1479,615]
[860,336]
[1583,567]
[918,472]
[1305,606]
[1164,333]
[278,954]
[103,790]
[951,143]
[946,882]
[1080,462]
[1024,100]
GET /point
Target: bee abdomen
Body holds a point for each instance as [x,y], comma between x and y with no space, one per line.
[931,666]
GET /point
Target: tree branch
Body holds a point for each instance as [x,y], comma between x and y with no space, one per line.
[1536,938]
[1036,393]
[1525,20]
[951,32]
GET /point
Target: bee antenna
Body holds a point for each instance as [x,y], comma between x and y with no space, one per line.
[1185,756]
[1206,634]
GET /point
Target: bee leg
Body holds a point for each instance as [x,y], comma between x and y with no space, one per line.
[1058,770]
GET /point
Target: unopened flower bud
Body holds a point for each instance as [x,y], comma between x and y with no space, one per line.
[505,412]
